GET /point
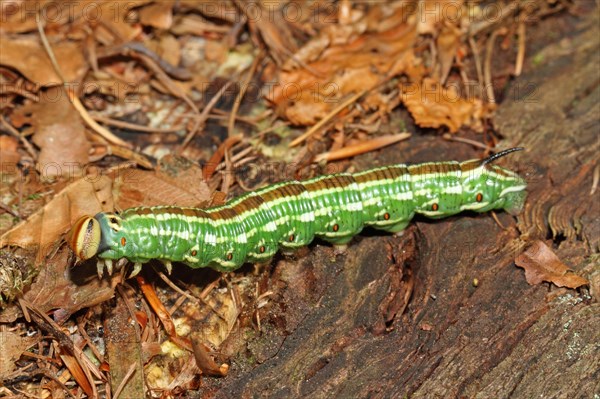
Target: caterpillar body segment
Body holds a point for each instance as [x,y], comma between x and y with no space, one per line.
[288,215]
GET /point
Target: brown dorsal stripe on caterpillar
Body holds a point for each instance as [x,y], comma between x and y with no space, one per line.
[288,215]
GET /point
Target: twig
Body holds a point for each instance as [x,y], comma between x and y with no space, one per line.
[177,91]
[205,112]
[477,58]
[229,176]
[41,372]
[215,159]
[253,120]
[241,93]
[124,380]
[175,287]
[178,302]
[131,155]
[18,89]
[521,52]
[327,118]
[504,11]
[237,159]
[23,305]
[134,126]
[362,147]
[10,210]
[487,72]
[10,128]
[130,309]
[89,342]
[139,48]
[218,117]
[368,128]
[449,137]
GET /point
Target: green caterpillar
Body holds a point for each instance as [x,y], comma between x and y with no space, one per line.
[254,226]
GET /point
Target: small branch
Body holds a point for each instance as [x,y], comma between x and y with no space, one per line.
[10,129]
[362,147]
[124,380]
[204,115]
[477,144]
[521,52]
[134,126]
[487,72]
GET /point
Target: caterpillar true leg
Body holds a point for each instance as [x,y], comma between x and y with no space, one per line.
[340,249]
[100,267]
[109,266]
[137,268]
[168,266]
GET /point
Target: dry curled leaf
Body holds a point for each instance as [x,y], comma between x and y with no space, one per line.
[433,105]
[541,264]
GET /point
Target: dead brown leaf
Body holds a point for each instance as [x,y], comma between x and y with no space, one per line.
[433,105]
[177,182]
[58,131]
[27,55]
[207,363]
[60,134]
[541,264]
[77,372]
[13,345]
[305,111]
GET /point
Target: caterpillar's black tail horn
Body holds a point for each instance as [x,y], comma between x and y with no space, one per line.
[493,157]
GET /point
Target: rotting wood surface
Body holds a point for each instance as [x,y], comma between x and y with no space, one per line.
[328,335]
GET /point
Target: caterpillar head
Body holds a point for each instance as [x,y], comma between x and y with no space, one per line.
[487,186]
[89,236]
[84,237]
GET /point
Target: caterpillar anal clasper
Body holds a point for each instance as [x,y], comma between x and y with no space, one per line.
[254,226]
